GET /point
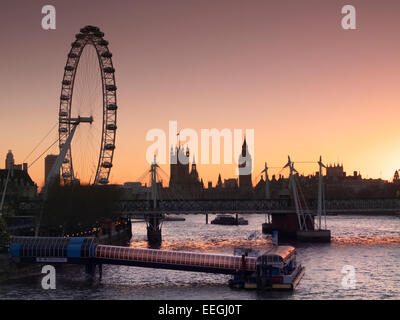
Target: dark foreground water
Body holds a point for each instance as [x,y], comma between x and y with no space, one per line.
[371,245]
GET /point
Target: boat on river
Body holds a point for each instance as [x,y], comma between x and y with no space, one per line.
[229,220]
[277,269]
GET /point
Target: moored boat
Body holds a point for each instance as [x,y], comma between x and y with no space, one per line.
[277,269]
[229,220]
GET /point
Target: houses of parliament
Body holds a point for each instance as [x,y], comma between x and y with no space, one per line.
[186,183]
[186,180]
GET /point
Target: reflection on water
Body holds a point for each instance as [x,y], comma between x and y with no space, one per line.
[209,246]
[369,244]
[223,245]
[366,241]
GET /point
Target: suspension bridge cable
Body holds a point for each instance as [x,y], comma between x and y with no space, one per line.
[170,192]
[47,134]
[143,176]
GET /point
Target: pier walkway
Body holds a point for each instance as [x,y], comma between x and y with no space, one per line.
[86,251]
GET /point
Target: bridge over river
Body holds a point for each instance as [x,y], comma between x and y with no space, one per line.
[256,206]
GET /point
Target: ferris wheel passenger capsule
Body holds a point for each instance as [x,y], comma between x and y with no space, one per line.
[103,42]
[72,55]
[109,70]
[106,54]
[112,127]
[109,146]
[92,28]
[99,34]
[107,164]
[112,107]
[111,87]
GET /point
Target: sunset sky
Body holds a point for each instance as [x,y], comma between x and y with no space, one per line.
[286,69]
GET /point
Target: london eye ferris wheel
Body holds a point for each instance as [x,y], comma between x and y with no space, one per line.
[88,89]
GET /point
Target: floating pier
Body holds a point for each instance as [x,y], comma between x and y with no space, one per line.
[288,228]
[274,268]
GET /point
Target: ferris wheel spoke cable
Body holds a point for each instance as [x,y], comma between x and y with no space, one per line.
[84,155]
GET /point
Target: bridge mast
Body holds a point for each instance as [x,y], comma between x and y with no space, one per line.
[292,185]
[153,171]
[320,191]
[154,219]
[267,190]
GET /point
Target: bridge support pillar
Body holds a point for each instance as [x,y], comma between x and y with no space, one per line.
[90,269]
[154,222]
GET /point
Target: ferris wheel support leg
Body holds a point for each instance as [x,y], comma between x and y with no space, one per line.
[54,170]
[57,165]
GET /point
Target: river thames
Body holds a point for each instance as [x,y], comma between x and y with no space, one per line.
[370,244]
